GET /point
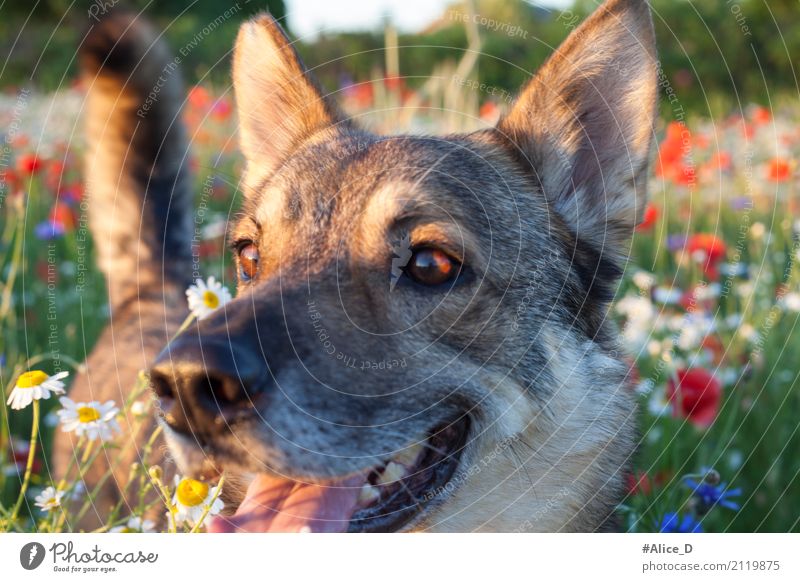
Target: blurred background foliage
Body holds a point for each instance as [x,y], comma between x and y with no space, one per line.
[709,50]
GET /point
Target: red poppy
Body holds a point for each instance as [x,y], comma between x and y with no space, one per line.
[695,396]
[714,346]
[761,115]
[781,289]
[684,174]
[713,247]
[779,170]
[361,94]
[672,152]
[650,217]
[9,180]
[688,300]
[633,372]
[55,171]
[489,111]
[639,483]
[720,160]
[222,108]
[63,214]
[19,141]
[199,97]
[393,83]
[202,136]
[406,95]
[46,272]
[702,141]
[644,483]
[29,164]
[208,249]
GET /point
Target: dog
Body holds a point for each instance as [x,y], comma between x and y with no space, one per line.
[419,339]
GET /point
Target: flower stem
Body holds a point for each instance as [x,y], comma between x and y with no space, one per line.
[86,452]
[62,485]
[29,465]
[186,322]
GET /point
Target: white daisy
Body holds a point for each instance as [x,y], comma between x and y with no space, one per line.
[35,385]
[792,301]
[206,297]
[667,295]
[95,420]
[49,499]
[192,498]
[658,404]
[644,280]
[757,230]
[135,525]
[139,408]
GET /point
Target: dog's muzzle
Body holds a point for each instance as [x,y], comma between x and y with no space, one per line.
[203,383]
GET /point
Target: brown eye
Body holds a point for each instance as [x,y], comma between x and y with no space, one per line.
[431,267]
[248,261]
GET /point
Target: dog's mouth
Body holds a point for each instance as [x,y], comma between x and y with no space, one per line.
[385,498]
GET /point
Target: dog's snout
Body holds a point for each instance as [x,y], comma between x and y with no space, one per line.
[200,383]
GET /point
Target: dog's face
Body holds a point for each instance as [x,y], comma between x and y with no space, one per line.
[419,338]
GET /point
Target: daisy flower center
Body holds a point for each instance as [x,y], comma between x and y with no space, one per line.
[191,492]
[31,379]
[210,300]
[88,414]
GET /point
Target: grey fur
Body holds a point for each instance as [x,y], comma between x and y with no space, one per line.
[520,343]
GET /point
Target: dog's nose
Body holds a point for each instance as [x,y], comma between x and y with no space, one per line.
[201,383]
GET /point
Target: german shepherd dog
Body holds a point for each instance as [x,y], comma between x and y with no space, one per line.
[419,339]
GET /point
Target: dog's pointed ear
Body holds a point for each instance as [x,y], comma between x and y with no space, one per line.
[584,124]
[279,104]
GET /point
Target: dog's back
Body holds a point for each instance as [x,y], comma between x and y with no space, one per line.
[139,200]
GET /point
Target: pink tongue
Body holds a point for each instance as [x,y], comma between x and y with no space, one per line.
[273,504]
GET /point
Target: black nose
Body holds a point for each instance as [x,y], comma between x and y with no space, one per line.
[202,383]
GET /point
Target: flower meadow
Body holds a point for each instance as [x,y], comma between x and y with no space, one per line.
[707,310]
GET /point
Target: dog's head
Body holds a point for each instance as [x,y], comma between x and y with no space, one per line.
[419,336]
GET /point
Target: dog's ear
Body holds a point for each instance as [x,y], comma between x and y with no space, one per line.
[584,124]
[279,104]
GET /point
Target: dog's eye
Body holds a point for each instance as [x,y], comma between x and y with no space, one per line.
[430,266]
[248,261]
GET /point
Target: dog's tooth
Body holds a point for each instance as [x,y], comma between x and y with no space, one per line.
[409,456]
[368,494]
[393,472]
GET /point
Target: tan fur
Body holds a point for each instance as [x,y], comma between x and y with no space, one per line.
[538,212]
[596,93]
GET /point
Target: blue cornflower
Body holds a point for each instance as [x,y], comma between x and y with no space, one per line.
[49,230]
[676,242]
[671,523]
[708,495]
